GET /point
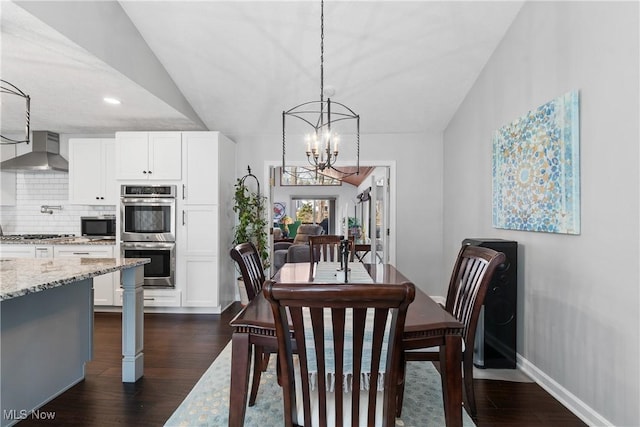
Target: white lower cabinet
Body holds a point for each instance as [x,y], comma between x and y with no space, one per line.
[198,256]
[201,287]
[103,285]
[17,251]
[43,251]
[156,297]
[26,251]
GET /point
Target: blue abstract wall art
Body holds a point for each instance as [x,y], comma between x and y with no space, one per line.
[536,169]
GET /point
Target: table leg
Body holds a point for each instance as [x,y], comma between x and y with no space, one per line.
[132,324]
[451,373]
[240,357]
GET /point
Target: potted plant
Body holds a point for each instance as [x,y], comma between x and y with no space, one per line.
[250,206]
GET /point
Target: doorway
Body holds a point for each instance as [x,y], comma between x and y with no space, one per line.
[340,202]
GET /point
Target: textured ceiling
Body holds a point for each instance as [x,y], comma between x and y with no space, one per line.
[403,66]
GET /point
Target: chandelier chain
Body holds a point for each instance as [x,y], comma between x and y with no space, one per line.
[322,51]
[322,144]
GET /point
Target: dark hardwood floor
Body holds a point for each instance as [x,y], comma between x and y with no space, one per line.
[179,348]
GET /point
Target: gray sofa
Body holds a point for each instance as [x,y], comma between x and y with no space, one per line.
[298,251]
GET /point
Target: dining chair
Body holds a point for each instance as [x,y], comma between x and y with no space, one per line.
[326,247]
[472,273]
[248,259]
[346,342]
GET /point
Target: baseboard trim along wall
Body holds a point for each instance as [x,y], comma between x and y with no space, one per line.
[561,394]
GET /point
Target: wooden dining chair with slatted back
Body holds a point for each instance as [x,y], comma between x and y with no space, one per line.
[473,271]
[344,336]
[248,259]
[326,248]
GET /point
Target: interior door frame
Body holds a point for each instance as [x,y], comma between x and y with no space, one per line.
[391,164]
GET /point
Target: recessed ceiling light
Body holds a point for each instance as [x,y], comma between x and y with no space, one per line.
[113,101]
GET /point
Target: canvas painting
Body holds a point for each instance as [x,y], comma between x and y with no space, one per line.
[536,169]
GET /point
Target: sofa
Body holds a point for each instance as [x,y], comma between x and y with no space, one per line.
[298,250]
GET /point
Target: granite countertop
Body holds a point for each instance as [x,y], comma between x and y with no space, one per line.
[22,276]
[62,241]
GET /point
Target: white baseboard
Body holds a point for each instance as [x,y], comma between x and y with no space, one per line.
[562,395]
[439,299]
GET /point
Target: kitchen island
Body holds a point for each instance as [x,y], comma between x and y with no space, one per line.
[46,327]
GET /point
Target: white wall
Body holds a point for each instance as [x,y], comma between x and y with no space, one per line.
[419,192]
[579,300]
[34,189]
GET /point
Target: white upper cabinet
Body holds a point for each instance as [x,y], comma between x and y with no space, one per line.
[149,155]
[7,178]
[92,171]
[200,166]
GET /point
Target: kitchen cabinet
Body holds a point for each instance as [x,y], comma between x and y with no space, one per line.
[200,165]
[103,286]
[26,251]
[149,156]
[156,298]
[204,270]
[44,251]
[17,251]
[7,178]
[92,179]
[199,259]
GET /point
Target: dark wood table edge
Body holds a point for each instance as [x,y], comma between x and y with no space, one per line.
[448,336]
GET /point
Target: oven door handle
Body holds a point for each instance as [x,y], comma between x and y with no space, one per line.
[145,245]
[147,202]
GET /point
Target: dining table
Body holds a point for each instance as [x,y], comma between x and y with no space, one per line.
[427,324]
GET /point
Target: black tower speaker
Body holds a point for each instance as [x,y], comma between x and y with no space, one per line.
[495,344]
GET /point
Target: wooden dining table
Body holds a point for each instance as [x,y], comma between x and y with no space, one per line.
[427,325]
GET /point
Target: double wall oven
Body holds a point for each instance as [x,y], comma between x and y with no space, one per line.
[147,230]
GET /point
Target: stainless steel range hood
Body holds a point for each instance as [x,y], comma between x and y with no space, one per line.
[44,155]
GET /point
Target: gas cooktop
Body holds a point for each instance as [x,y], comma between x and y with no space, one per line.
[34,236]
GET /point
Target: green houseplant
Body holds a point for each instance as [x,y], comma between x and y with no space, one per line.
[250,206]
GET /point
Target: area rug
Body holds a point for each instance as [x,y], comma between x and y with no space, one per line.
[208,402]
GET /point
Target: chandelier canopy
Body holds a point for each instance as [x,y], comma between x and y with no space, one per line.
[322,142]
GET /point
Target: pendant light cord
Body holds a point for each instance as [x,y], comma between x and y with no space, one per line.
[322,51]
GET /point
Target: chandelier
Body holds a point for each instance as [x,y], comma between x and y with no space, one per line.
[322,142]
[6,87]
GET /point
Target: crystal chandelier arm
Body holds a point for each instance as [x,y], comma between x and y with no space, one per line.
[6,87]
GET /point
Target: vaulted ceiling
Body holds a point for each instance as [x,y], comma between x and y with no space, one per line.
[234,66]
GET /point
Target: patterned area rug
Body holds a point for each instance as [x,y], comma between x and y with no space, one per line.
[208,403]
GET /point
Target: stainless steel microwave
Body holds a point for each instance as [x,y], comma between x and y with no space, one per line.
[98,226]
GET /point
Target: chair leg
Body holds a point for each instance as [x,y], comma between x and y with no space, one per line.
[467,363]
[400,388]
[258,367]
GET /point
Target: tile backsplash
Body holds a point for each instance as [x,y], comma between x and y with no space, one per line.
[34,189]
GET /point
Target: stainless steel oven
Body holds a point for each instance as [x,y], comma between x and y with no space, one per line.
[160,272]
[147,230]
[148,213]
